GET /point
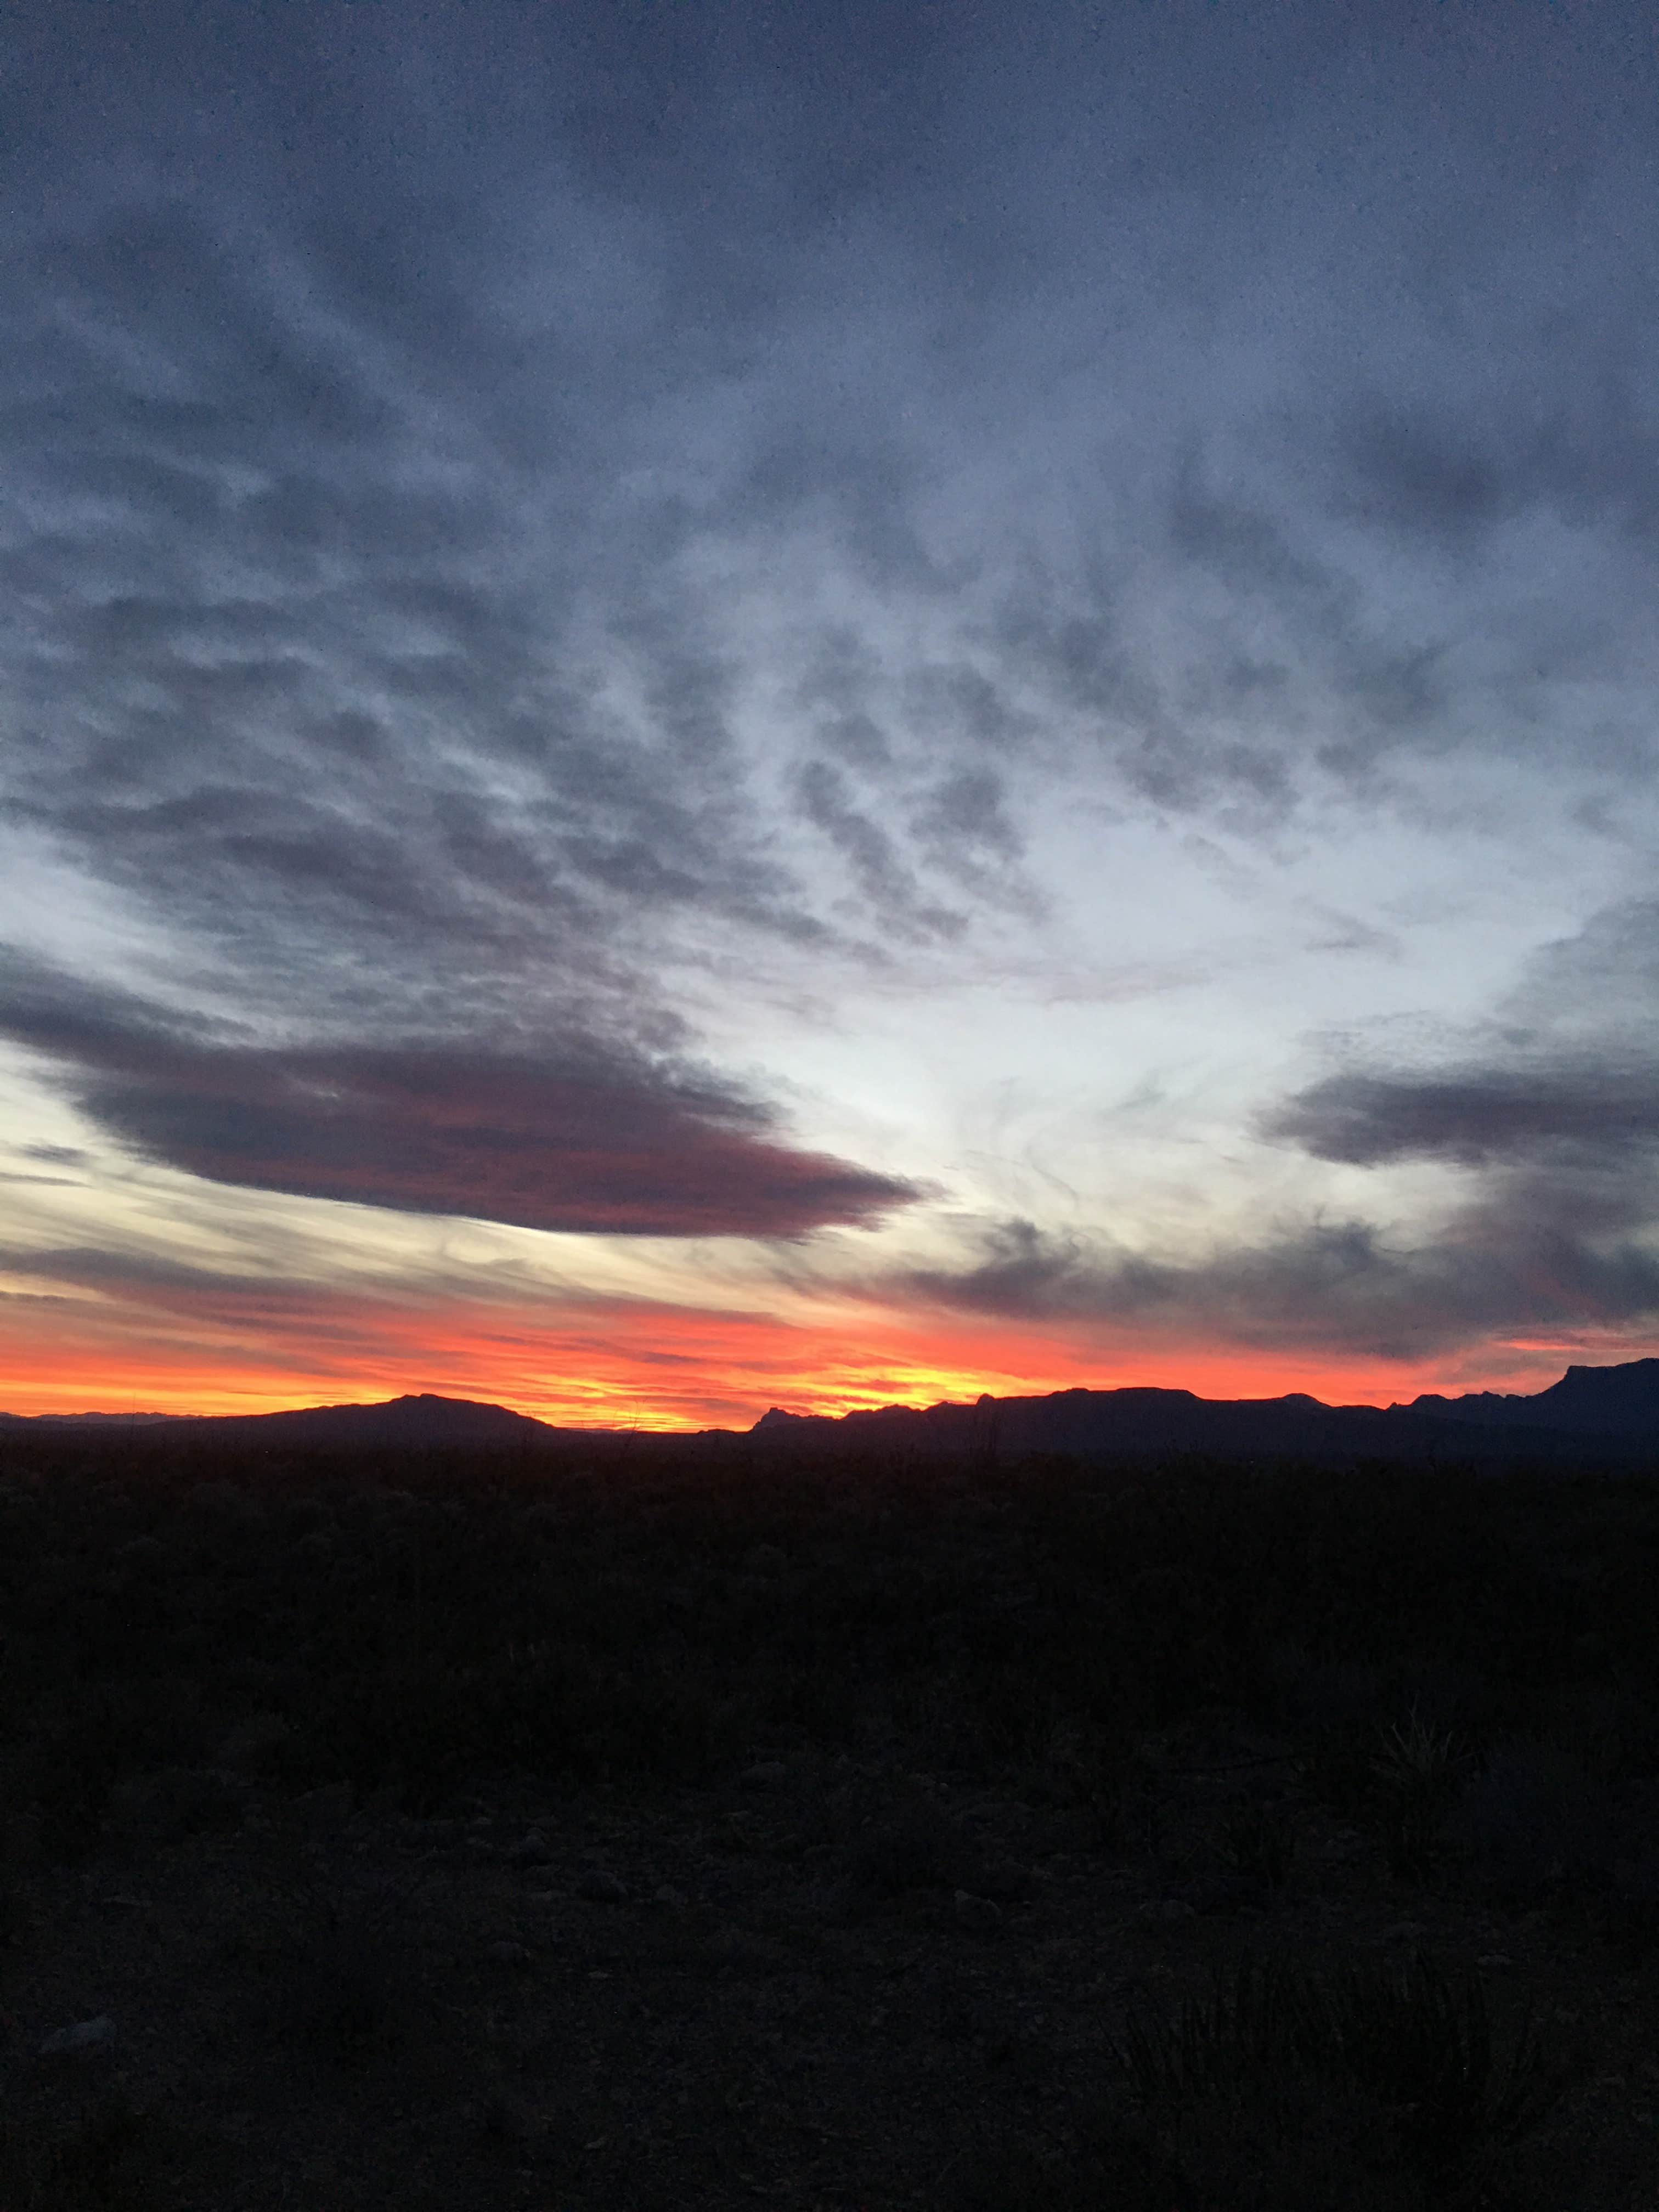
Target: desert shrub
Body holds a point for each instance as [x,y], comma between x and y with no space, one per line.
[94,1735]
[1334,1712]
[1266,2019]
[1117,2170]
[977,1718]
[1002,1717]
[116,2158]
[15,1918]
[423,1733]
[1535,1822]
[1419,1770]
[555,1713]
[173,1803]
[652,1722]
[1632,1901]
[1610,1727]
[1402,2058]
[1387,1744]
[915,1845]
[1257,1841]
[832,1703]
[1422,2040]
[338,1961]
[1092,1771]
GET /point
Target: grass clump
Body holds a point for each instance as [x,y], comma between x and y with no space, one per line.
[1419,1771]
[1394,2069]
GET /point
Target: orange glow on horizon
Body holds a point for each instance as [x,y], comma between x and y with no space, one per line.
[616,1364]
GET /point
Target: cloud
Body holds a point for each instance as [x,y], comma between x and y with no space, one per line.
[1438,469]
[579,1135]
[1474,1116]
[1546,1115]
[1342,1289]
[1561,1078]
[439,495]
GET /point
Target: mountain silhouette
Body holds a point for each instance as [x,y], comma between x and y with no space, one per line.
[1591,1412]
[1592,1415]
[1621,1402]
[416,1419]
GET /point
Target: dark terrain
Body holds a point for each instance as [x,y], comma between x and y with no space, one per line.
[848,1815]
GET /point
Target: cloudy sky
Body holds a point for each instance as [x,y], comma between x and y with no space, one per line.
[706,706]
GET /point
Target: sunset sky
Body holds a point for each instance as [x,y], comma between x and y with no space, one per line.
[708,706]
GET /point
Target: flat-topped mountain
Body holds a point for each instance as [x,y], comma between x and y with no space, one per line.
[1622,1400]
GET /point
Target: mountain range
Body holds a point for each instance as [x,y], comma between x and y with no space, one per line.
[1607,1413]
[1600,1414]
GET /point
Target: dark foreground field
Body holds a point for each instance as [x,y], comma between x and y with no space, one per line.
[686,1827]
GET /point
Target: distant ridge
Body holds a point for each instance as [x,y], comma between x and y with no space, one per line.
[414,1419]
[86,1421]
[1593,1414]
[1622,1400]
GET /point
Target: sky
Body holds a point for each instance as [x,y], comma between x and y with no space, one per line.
[714,706]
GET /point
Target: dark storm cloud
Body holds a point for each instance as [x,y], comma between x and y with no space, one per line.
[576,1134]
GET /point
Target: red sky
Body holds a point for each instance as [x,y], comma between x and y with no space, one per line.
[615,1364]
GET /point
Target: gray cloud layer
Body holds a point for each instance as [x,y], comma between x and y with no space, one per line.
[405,432]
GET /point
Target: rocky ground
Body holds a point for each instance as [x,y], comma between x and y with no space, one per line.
[835,1984]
